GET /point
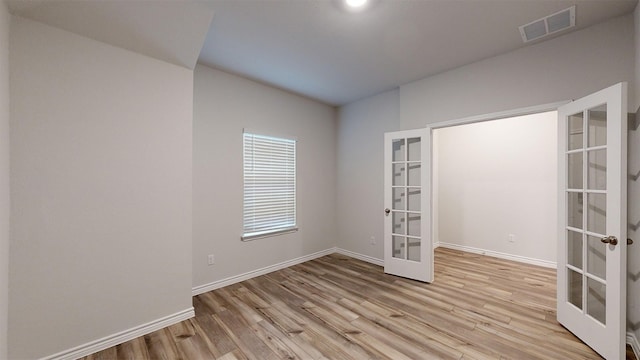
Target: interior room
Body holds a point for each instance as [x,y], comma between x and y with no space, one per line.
[124,192]
[480,170]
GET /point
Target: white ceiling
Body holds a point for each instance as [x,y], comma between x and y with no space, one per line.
[315,47]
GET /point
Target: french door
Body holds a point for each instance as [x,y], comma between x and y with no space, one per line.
[592,238]
[408,248]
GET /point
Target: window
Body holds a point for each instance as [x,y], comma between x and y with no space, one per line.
[269,186]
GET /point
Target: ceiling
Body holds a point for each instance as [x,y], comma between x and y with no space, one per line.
[315,47]
[172,31]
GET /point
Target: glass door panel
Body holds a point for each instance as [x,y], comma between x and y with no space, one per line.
[399,247]
[398,150]
[415,149]
[399,174]
[575,211]
[413,250]
[596,257]
[575,288]
[597,300]
[399,222]
[576,131]
[413,224]
[398,198]
[574,249]
[597,169]
[597,213]
[574,171]
[597,126]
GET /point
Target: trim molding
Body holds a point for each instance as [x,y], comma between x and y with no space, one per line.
[365,258]
[498,115]
[633,341]
[121,337]
[522,259]
[197,290]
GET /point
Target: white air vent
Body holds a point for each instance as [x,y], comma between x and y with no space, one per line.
[551,24]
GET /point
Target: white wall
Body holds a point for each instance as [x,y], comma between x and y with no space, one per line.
[4,176]
[101,142]
[499,178]
[360,171]
[224,104]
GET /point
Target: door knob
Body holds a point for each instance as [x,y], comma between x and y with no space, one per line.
[387,211]
[629,241]
[610,240]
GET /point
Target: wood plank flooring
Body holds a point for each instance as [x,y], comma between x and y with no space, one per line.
[337,307]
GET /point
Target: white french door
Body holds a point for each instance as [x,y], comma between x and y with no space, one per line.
[592,228]
[408,248]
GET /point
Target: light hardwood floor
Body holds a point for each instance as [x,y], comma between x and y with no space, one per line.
[337,307]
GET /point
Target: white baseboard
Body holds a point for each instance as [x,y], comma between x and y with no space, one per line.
[121,337]
[633,341]
[265,270]
[522,259]
[365,258]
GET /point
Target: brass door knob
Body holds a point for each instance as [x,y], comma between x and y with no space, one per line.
[610,240]
[629,241]
[387,211]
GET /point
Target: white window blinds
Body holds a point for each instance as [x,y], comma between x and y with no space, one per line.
[269,185]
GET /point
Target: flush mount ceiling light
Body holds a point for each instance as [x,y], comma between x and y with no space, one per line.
[355,4]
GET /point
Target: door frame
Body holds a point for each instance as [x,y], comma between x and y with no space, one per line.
[472,120]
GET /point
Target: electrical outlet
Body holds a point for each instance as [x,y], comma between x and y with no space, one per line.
[211,260]
[372,240]
[512,238]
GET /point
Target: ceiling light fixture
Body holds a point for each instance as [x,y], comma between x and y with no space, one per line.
[356,3]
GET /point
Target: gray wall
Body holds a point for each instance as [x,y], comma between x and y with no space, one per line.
[563,68]
[360,171]
[4,176]
[101,142]
[224,104]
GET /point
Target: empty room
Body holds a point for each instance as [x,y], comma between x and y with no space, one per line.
[323,179]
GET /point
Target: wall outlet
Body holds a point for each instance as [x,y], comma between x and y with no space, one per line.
[372,240]
[512,238]
[211,260]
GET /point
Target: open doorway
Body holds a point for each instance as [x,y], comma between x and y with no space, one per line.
[495,187]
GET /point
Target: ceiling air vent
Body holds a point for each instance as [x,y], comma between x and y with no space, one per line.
[549,25]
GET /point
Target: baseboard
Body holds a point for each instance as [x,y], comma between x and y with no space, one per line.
[201,289]
[365,258]
[522,259]
[633,341]
[121,337]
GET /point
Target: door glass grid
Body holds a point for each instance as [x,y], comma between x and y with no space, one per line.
[406,212]
[586,184]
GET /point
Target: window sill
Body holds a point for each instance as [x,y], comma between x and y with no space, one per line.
[265,234]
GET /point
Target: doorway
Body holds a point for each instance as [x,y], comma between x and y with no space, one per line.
[495,188]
